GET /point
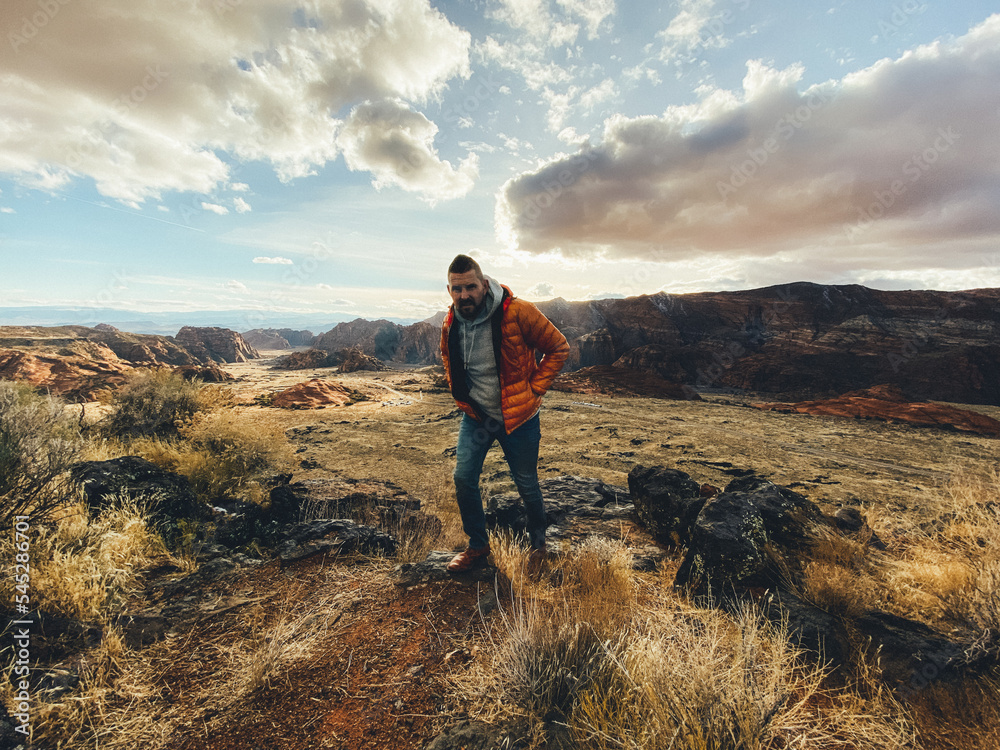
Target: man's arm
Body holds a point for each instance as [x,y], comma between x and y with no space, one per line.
[541,334]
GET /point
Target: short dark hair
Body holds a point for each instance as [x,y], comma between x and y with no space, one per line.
[464,264]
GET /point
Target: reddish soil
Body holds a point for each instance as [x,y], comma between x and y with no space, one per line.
[313,394]
[888,403]
[377,678]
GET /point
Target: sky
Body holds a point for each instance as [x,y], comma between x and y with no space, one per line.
[333,156]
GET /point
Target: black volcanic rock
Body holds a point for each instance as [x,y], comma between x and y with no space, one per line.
[667,501]
[749,535]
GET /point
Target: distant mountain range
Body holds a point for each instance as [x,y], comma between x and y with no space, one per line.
[169,323]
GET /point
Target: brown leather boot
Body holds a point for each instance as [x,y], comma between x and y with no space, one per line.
[468,559]
[536,561]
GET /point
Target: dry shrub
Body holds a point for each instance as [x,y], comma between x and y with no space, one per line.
[232,455]
[39,440]
[577,648]
[223,454]
[83,567]
[152,403]
[840,576]
[71,721]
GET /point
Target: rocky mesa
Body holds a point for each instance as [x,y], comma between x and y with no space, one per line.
[798,341]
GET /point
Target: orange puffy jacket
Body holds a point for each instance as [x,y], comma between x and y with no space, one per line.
[519,329]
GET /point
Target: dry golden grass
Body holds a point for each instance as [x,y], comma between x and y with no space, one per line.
[224,454]
[944,571]
[578,649]
[123,701]
[695,679]
[963,715]
[83,567]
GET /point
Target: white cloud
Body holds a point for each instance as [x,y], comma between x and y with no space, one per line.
[272,261]
[239,187]
[215,208]
[693,28]
[539,19]
[902,155]
[541,290]
[128,95]
[396,145]
[7,210]
[593,12]
[237,286]
[241,206]
[602,92]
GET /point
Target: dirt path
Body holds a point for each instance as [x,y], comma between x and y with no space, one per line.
[364,664]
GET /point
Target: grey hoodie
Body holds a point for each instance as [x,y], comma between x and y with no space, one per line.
[475,337]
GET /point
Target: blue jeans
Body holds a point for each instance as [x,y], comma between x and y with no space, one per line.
[520,448]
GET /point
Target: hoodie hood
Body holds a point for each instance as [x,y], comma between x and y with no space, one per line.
[492,301]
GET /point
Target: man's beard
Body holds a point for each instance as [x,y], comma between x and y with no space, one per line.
[471,312]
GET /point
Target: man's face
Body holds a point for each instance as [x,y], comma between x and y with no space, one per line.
[468,292]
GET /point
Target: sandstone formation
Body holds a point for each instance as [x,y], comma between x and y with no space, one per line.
[306,360]
[216,344]
[313,394]
[353,360]
[77,362]
[347,360]
[204,373]
[277,338]
[887,402]
[799,340]
[389,342]
[140,349]
[74,377]
[621,381]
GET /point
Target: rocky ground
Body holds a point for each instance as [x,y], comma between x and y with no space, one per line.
[407,429]
[361,652]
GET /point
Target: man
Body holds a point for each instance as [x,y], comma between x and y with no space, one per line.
[488,343]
